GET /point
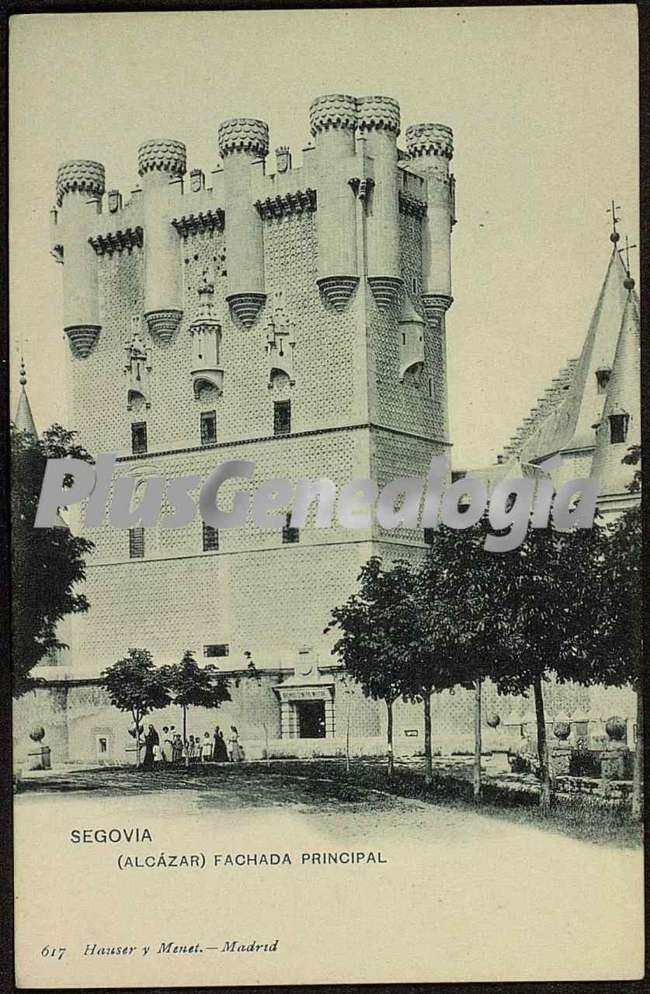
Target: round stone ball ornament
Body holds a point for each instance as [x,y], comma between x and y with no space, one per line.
[561,729]
[615,728]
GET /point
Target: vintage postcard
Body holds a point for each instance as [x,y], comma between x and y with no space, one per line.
[326,456]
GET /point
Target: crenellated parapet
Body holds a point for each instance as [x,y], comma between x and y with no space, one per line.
[197,224]
[378,114]
[242,141]
[285,204]
[117,241]
[80,176]
[163,155]
[429,139]
[334,110]
[243,134]
[413,206]
[353,179]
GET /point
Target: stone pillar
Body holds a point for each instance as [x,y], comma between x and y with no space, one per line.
[243,141]
[160,162]
[378,120]
[80,185]
[613,757]
[430,147]
[333,120]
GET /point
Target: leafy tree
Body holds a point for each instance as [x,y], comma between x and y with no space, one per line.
[617,649]
[191,685]
[377,630]
[460,589]
[553,607]
[137,687]
[46,563]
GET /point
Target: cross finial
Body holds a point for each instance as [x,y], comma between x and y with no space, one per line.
[626,251]
[614,237]
[23,372]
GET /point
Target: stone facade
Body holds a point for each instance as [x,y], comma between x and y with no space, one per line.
[266,285]
[197,312]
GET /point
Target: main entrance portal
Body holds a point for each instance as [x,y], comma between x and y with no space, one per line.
[311,719]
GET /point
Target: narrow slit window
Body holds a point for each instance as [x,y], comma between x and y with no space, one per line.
[208,427]
[138,437]
[290,535]
[136,543]
[282,417]
[210,538]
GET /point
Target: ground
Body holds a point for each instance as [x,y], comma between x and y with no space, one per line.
[462,894]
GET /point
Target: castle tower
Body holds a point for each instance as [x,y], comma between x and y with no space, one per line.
[378,121]
[278,317]
[79,189]
[161,162]
[430,147]
[242,142]
[333,121]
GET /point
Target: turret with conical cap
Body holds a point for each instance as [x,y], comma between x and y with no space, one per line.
[24,420]
[619,428]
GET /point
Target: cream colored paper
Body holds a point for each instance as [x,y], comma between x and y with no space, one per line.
[543,104]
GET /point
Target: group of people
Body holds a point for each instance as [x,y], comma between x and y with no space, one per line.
[170,748]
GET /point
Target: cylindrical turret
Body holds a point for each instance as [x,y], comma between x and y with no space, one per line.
[378,119]
[242,141]
[333,121]
[79,187]
[159,162]
[430,147]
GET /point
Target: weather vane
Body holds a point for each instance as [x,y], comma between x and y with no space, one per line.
[614,237]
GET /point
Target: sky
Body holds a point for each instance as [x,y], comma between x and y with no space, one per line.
[542,102]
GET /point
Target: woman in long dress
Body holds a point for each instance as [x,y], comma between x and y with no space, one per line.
[220,752]
[150,743]
[234,750]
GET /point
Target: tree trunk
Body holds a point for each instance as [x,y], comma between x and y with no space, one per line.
[637,786]
[389,741]
[347,733]
[428,768]
[542,747]
[136,722]
[184,724]
[477,741]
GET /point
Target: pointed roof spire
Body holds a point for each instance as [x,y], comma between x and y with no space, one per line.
[570,424]
[623,399]
[24,419]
